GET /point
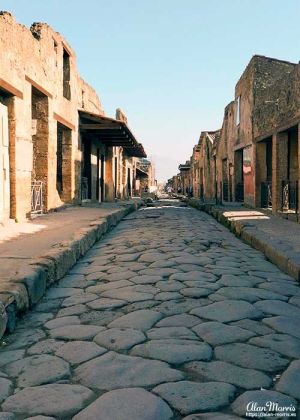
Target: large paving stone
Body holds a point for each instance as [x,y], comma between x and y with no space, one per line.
[6,388]
[250,294]
[24,338]
[195,276]
[10,356]
[226,372]
[126,295]
[106,303]
[173,307]
[175,351]
[216,333]
[164,296]
[142,320]
[99,288]
[72,310]
[146,279]
[119,339]
[181,320]
[278,308]
[62,321]
[226,311]
[50,345]
[127,404]
[282,343]
[152,257]
[193,260]
[123,275]
[171,332]
[284,324]
[62,292]
[113,370]
[246,402]
[284,288]
[76,332]
[59,400]
[251,325]
[38,370]
[195,292]
[79,351]
[187,396]
[289,380]
[79,299]
[252,357]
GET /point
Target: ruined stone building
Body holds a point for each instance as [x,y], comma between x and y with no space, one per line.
[56,144]
[255,158]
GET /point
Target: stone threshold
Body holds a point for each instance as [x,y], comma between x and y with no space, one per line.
[244,223]
[20,292]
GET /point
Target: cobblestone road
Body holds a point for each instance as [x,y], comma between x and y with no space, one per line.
[169,315]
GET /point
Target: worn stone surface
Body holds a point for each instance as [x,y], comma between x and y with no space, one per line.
[59,400]
[38,370]
[175,351]
[79,351]
[187,396]
[227,372]
[76,332]
[216,333]
[113,370]
[139,320]
[160,329]
[289,381]
[284,324]
[125,404]
[6,388]
[282,343]
[119,339]
[252,357]
[181,320]
[230,310]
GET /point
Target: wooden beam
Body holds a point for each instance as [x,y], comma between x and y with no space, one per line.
[38,87]
[63,121]
[99,127]
[10,89]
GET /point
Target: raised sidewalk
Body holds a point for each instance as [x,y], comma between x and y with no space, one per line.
[277,238]
[35,254]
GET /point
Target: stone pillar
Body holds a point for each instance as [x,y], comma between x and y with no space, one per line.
[109,176]
[279,169]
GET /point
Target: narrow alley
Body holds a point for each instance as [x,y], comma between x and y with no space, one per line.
[170,316]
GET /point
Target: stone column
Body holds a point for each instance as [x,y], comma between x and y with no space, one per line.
[109,178]
[279,169]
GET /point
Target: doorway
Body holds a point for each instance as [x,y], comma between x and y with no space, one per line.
[129,182]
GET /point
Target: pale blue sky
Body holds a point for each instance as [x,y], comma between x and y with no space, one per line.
[171,65]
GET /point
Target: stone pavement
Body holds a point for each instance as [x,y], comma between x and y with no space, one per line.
[277,238]
[37,253]
[169,317]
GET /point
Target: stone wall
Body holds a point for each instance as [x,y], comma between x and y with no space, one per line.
[34,79]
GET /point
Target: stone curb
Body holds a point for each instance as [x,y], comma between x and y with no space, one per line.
[20,293]
[288,262]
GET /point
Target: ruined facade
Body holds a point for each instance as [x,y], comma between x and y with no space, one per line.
[255,159]
[49,155]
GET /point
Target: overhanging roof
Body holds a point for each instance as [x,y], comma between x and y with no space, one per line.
[110,132]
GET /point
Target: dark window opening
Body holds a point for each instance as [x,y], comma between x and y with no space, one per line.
[66,75]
